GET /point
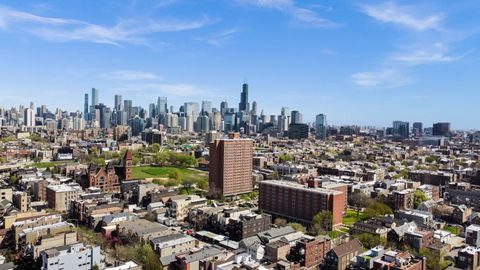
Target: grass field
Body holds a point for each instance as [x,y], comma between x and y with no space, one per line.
[50,164]
[351,217]
[167,172]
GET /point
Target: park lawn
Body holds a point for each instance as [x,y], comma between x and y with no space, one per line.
[351,217]
[50,164]
[166,172]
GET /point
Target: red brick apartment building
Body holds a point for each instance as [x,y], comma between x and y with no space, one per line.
[299,202]
[231,166]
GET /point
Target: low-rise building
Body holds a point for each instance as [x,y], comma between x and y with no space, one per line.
[59,197]
[173,244]
[21,200]
[341,256]
[77,256]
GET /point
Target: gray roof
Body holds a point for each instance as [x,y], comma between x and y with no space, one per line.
[167,238]
[276,232]
[203,254]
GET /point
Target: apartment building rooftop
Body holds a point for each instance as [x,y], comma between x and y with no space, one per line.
[293,185]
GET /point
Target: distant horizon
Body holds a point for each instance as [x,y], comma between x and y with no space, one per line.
[363,63]
[176,108]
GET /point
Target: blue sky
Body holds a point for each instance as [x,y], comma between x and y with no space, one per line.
[360,62]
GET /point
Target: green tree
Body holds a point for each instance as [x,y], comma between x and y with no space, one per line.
[377,209]
[430,159]
[298,227]
[418,198]
[435,260]
[371,240]
[359,200]
[285,158]
[322,222]
[147,258]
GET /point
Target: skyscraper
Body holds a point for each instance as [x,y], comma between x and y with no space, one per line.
[231,166]
[254,108]
[206,107]
[321,126]
[244,105]
[162,106]
[223,107]
[417,128]
[191,109]
[94,97]
[127,107]
[296,117]
[85,107]
[441,129]
[400,130]
[118,103]
[29,117]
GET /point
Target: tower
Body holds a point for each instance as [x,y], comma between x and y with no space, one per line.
[85,107]
[244,105]
[127,165]
[321,126]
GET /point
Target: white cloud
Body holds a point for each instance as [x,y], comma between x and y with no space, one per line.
[219,39]
[66,30]
[425,57]
[438,53]
[130,75]
[387,78]
[403,16]
[303,16]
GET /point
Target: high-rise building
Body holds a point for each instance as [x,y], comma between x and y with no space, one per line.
[244,105]
[128,108]
[254,108]
[162,106]
[441,129]
[94,96]
[85,107]
[417,128]
[207,108]
[296,117]
[29,117]
[203,123]
[231,166]
[118,103]
[191,109]
[105,115]
[223,107]
[321,126]
[298,131]
[400,130]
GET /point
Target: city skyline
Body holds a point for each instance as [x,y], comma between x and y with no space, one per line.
[399,67]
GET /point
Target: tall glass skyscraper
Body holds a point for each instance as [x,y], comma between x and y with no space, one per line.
[94,97]
[162,105]
[118,103]
[244,105]
[321,126]
[85,107]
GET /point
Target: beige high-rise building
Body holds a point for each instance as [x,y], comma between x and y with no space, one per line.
[231,166]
